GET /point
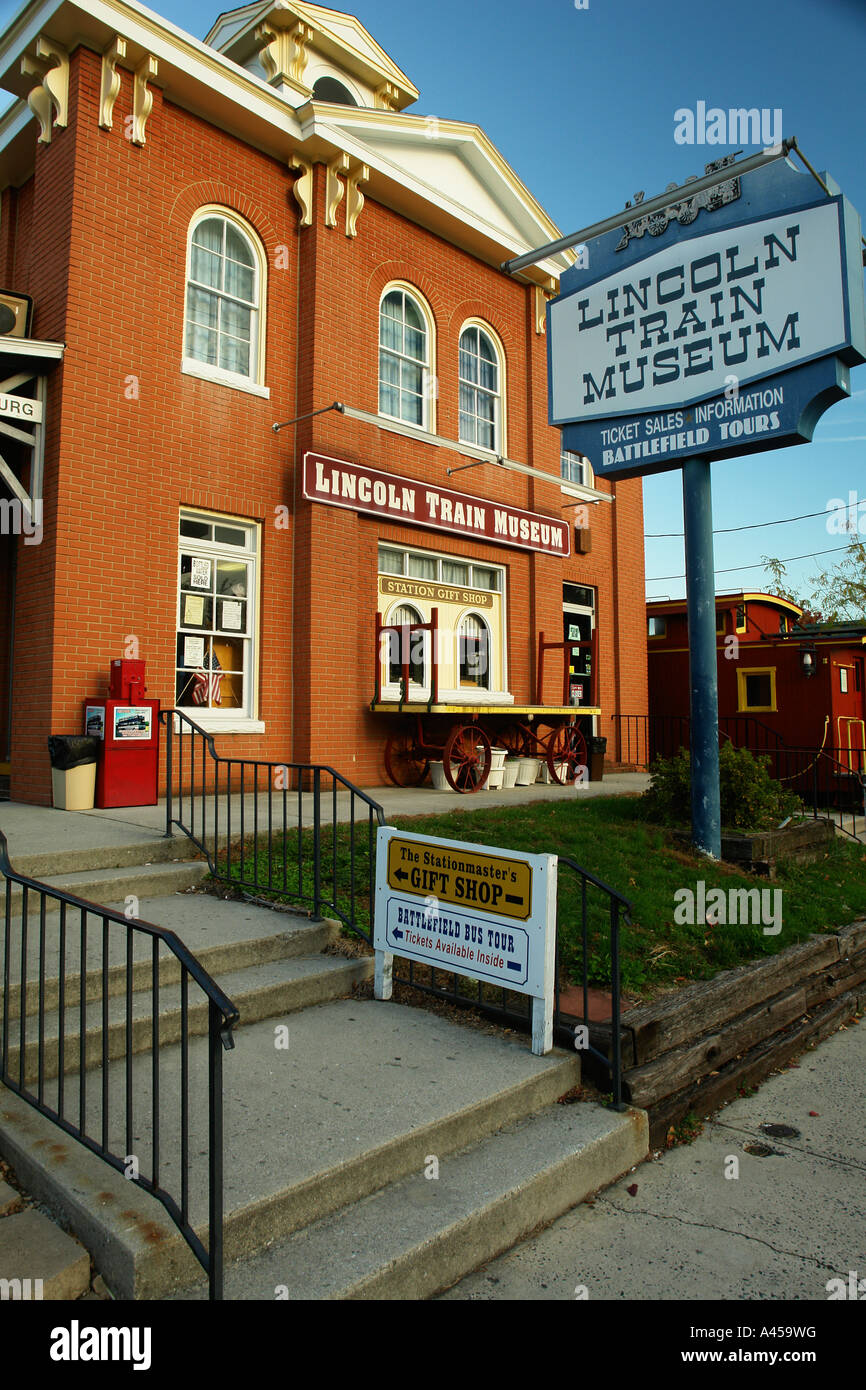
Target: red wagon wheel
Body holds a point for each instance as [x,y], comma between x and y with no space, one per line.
[566,752]
[467,758]
[405,764]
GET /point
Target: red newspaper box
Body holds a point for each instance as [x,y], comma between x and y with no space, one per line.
[128,768]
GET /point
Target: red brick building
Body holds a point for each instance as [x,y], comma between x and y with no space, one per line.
[221,237]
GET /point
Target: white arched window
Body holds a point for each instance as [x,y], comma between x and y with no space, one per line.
[405,358]
[480,373]
[473,651]
[405,645]
[223,335]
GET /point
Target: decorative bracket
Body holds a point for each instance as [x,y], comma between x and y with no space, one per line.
[303,188]
[51,94]
[541,295]
[142,97]
[284,51]
[355,198]
[386,96]
[334,189]
[110,87]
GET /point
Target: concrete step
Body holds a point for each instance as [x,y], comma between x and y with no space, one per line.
[149,880]
[40,1261]
[359,1098]
[271,990]
[95,849]
[418,1236]
[224,936]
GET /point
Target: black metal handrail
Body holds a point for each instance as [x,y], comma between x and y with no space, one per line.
[41,994]
[830,781]
[225,806]
[644,737]
[505,1006]
[279,860]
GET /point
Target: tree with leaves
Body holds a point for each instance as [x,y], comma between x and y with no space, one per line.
[836,594]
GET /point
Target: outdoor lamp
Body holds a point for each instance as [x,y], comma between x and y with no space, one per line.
[807,657]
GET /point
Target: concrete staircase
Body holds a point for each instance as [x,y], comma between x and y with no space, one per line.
[372,1150]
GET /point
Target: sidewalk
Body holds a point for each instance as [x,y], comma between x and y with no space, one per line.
[41,830]
[790,1222]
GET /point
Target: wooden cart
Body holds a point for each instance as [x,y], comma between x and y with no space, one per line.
[463,735]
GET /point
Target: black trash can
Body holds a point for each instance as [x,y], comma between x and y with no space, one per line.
[597,750]
[73,770]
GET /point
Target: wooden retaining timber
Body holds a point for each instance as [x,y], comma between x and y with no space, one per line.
[695,1049]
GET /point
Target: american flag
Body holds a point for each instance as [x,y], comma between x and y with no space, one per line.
[206,683]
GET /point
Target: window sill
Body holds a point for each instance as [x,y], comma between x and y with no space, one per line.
[471,695]
[189,367]
[212,724]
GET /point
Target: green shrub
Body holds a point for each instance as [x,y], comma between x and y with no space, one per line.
[750,798]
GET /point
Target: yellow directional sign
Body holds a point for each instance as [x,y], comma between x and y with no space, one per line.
[467,878]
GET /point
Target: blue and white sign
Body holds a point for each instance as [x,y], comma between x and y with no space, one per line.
[733,333]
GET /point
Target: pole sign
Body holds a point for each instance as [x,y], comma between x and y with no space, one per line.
[476,910]
[724,326]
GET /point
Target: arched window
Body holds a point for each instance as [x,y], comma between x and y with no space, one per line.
[330,89]
[480,373]
[406,646]
[224,298]
[404,358]
[473,651]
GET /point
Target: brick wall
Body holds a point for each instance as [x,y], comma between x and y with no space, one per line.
[99,237]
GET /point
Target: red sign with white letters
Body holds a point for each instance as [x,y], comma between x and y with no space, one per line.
[362,489]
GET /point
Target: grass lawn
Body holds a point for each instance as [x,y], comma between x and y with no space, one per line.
[609,838]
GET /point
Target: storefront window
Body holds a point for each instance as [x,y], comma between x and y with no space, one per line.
[216,617]
[474,652]
[470,646]
[406,645]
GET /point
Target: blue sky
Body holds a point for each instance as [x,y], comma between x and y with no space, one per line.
[581,103]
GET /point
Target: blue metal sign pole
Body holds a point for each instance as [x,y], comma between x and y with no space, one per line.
[703,669]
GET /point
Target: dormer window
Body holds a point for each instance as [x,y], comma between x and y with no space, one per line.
[330,89]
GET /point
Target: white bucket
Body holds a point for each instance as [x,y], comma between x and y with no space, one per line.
[437,772]
[498,756]
[562,773]
[510,771]
[494,779]
[527,772]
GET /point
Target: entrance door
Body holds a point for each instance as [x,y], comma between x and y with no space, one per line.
[849,709]
[578,622]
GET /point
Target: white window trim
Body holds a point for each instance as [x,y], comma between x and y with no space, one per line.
[589,473]
[226,721]
[500,442]
[191,366]
[461,695]
[428,396]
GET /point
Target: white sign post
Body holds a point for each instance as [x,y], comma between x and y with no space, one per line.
[482,912]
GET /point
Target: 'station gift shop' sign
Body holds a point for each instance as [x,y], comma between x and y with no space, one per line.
[732,338]
[362,489]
